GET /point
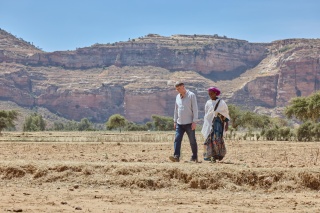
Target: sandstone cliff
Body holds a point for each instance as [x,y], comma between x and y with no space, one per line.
[203,54]
[291,69]
[136,78]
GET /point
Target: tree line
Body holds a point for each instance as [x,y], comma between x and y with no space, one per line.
[305,109]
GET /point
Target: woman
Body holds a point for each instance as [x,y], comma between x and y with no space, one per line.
[215,124]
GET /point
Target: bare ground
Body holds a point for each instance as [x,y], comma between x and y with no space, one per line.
[77,172]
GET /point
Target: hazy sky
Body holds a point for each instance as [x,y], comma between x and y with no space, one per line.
[67,24]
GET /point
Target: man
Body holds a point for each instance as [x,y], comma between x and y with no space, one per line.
[185,118]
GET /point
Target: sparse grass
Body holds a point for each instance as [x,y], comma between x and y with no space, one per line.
[91,137]
[263,157]
[138,161]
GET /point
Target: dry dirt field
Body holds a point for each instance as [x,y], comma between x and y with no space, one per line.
[131,172]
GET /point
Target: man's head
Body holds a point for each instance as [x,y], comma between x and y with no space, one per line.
[180,87]
[178,83]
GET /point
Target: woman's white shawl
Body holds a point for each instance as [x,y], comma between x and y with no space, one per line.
[210,114]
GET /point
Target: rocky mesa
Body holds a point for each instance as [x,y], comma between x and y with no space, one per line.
[135,78]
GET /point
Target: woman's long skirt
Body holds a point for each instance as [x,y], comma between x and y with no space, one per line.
[214,147]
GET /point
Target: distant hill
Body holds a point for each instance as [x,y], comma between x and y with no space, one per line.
[135,78]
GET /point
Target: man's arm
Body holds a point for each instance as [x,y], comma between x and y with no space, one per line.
[175,115]
[194,108]
[194,111]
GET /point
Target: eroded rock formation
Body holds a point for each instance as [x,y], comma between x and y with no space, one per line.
[136,78]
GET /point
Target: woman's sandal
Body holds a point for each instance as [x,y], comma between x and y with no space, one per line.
[212,160]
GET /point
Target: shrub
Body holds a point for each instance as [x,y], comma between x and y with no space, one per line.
[7,118]
[304,132]
[34,122]
[271,134]
[284,133]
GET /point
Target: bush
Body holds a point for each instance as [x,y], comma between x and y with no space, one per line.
[135,127]
[83,125]
[304,132]
[33,123]
[316,131]
[7,118]
[162,123]
[271,134]
[284,134]
[257,136]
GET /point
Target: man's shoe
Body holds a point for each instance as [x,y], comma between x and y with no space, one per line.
[194,160]
[174,158]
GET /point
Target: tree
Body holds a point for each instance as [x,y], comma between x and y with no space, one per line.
[34,122]
[284,134]
[235,116]
[271,134]
[116,121]
[85,125]
[149,125]
[7,118]
[304,130]
[304,108]
[298,107]
[71,126]
[314,106]
[131,126]
[247,119]
[316,131]
[276,121]
[253,120]
[162,123]
[58,126]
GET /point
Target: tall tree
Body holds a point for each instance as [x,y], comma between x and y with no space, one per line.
[235,116]
[314,106]
[304,108]
[116,121]
[7,119]
[298,107]
[247,119]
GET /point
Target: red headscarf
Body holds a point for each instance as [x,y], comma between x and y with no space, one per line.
[214,89]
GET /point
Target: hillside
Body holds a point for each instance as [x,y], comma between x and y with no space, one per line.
[135,78]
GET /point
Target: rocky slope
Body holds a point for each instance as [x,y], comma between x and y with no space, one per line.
[136,78]
[291,69]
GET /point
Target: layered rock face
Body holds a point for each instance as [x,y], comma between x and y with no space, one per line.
[299,76]
[260,92]
[16,87]
[95,104]
[136,78]
[141,107]
[203,54]
[296,73]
